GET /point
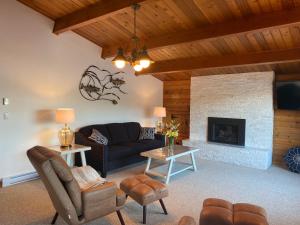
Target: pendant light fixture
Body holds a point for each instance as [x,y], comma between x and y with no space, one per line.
[139,58]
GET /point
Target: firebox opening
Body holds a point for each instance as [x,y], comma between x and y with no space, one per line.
[226,130]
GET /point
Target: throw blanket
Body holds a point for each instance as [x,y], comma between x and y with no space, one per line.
[87,177]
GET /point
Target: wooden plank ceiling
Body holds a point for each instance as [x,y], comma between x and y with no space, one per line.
[232,27]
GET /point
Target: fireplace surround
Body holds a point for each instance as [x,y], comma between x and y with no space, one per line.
[226,130]
[246,96]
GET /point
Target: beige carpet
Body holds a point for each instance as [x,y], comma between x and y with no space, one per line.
[277,190]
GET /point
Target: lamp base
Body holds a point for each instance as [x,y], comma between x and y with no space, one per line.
[159,126]
[65,136]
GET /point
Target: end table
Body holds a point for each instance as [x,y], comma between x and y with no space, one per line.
[71,150]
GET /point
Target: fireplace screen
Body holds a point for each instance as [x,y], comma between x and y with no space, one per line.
[226,130]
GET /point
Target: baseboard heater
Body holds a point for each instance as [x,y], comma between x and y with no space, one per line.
[8,181]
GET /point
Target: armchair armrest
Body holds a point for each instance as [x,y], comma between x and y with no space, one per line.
[187,220]
[99,200]
[161,137]
[97,157]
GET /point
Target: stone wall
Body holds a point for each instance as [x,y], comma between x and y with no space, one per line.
[242,96]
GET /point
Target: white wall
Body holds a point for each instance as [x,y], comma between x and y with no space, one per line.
[246,96]
[40,71]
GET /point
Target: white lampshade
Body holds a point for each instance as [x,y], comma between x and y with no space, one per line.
[160,111]
[65,115]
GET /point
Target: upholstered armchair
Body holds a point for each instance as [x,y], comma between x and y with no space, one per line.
[74,205]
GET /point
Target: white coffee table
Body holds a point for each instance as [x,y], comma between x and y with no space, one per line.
[71,150]
[167,155]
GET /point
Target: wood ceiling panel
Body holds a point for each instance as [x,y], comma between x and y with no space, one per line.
[161,17]
[280,38]
[282,68]
[57,8]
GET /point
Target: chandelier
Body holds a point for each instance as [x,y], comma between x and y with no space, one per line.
[138,58]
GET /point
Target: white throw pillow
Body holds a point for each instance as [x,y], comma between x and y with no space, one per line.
[98,137]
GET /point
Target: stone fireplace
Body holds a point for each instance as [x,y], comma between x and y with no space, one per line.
[226,130]
[231,118]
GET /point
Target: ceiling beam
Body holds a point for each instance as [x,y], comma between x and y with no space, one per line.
[250,24]
[91,14]
[198,63]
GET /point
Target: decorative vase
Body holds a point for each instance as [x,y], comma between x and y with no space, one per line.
[171,142]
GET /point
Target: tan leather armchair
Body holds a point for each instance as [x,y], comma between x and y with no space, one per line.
[74,205]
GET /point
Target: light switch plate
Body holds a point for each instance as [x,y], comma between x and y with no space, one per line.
[5,101]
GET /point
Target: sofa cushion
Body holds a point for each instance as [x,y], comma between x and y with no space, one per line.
[118,133]
[119,152]
[136,147]
[151,144]
[133,130]
[87,131]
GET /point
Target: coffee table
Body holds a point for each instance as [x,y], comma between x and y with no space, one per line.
[168,155]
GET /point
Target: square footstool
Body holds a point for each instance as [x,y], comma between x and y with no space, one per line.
[144,190]
[221,212]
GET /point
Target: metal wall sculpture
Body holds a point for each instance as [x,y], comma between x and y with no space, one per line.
[99,84]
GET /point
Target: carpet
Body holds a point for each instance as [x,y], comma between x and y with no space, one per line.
[276,189]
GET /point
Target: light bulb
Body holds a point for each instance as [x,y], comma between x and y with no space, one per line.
[120,64]
[137,67]
[145,63]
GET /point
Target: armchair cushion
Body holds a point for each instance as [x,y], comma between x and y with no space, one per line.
[65,175]
[99,200]
[61,169]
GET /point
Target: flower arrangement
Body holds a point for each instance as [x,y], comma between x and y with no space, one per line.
[171,131]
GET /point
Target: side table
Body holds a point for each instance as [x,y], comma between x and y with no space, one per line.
[71,150]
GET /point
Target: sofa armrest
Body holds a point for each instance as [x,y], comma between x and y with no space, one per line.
[97,157]
[99,200]
[187,220]
[161,137]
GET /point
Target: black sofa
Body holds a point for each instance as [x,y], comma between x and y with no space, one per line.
[124,146]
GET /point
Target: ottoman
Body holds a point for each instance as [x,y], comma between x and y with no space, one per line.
[144,190]
[221,212]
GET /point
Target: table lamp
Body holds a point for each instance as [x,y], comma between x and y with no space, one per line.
[159,112]
[65,135]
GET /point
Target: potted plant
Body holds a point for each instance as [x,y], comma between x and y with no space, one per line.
[171,131]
